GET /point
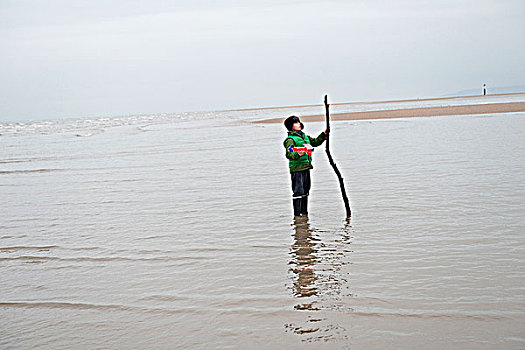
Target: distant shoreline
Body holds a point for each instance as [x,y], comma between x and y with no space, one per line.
[506,107]
[373,102]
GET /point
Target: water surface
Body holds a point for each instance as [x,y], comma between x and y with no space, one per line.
[176,232]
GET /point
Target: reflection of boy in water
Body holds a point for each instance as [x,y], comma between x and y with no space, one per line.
[304,258]
[300,162]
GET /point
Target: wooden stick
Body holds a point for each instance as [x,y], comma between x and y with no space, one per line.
[331,160]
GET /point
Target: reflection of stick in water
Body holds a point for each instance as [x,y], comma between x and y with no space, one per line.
[304,258]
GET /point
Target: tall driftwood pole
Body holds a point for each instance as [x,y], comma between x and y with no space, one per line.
[331,160]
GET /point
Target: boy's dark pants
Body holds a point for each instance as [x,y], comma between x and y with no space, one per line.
[301,189]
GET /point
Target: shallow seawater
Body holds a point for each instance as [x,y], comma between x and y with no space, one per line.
[178,234]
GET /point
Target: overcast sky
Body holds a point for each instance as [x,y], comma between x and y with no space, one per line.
[67,58]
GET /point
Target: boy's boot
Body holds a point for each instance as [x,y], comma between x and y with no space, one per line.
[304,206]
[297,206]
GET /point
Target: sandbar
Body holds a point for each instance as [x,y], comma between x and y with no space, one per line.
[488,108]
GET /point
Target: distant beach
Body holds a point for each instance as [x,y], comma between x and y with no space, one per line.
[471,109]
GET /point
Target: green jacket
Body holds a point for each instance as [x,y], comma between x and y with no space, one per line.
[298,139]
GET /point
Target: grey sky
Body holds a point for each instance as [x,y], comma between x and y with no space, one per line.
[66,58]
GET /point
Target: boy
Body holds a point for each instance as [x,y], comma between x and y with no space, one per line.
[300,162]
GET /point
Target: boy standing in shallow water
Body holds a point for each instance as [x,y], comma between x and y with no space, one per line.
[300,162]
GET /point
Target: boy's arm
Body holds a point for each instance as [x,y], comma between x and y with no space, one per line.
[318,140]
[290,155]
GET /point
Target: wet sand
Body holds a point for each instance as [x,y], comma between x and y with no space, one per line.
[413,112]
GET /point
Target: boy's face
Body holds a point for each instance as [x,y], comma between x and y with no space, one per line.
[297,126]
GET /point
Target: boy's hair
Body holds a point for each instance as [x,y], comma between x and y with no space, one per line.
[290,121]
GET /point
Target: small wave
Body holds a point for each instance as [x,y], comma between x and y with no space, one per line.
[80,248]
[270,247]
[209,250]
[29,171]
[143,128]
[28,160]
[433,315]
[85,127]
[170,298]
[14,248]
[7,161]
[152,237]
[100,307]
[100,259]
[90,133]
[64,305]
